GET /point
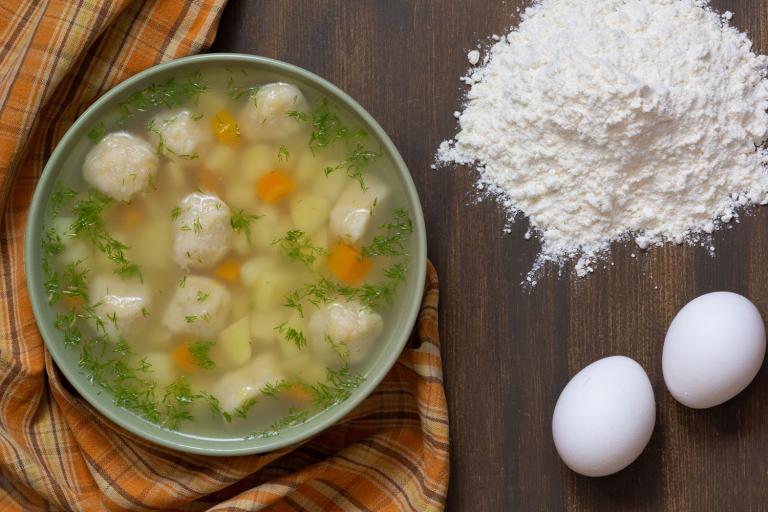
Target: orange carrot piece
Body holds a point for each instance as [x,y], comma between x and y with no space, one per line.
[225,128]
[208,180]
[347,264]
[274,186]
[298,393]
[131,217]
[183,358]
[229,270]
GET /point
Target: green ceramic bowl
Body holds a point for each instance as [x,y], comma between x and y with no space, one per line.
[65,162]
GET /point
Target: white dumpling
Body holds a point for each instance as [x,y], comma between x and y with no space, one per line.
[181,134]
[203,233]
[199,308]
[246,382]
[351,215]
[119,303]
[266,115]
[120,165]
[349,325]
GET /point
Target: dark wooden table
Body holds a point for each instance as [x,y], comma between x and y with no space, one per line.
[507,352]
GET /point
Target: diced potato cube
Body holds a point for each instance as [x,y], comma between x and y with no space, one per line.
[241,306]
[163,370]
[176,173]
[295,366]
[330,186]
[153,245]
[311,166]
[315,372]
[258,160]
[212,101]
[352,213]
[61,225]
[221,159]
[253,268]
[309,212]
[158,336]
[271,288]
[240,195]
[246,382]
[75,250]
[263,325]
[233,348]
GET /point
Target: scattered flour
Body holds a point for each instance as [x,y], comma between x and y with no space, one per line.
[605,120]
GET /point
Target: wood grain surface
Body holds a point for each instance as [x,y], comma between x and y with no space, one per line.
[509,352]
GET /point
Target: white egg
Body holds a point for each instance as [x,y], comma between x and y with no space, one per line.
[604,417]
[713,349]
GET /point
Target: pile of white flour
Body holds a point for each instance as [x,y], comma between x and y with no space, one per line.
[603,120]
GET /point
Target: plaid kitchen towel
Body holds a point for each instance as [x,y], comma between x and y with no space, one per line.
[56,451]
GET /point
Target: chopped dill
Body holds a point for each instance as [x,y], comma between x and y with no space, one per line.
[201,296]
[197,226]
[282,153]
[272,390]
[297,246]
[60,197]
[392,240]
[169,94]
[241,221]
[215,406]
[144,312]
[235,92]
[97,132]
[340,385]
[328,128]
[293,301]
[175,213]
[183,281]
[200,353]
[88,223]
[356,163]
[242,410]
[190,319]
[339,347]
[293,418]
[176,402]
[293,335]
[298,115]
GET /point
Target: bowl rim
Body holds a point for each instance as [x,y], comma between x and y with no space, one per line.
[186,442]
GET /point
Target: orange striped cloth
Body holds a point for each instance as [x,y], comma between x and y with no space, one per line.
[56,451]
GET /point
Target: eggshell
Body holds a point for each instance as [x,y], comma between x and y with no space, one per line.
[713,349]
[604,417]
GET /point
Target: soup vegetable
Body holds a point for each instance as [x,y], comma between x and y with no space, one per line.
[227,258]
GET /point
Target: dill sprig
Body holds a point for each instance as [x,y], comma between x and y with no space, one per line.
[282,153]
[241,222]
[292,334]
[235,92]
[88,223]
[392,240]
[294,418]
[242,410]
[61,196]
[339,347]
[340,385]
[200,353]
[298,115]
[356,163]
[297,246]
[327,127]
[169,94]
[97,132]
